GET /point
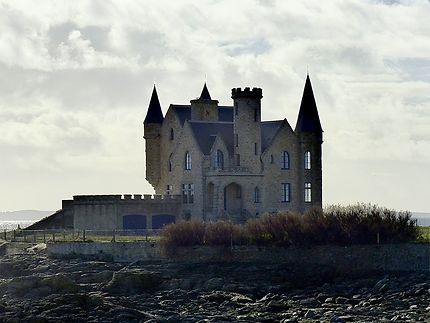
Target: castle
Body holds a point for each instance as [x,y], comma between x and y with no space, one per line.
[227,163]
[207,161]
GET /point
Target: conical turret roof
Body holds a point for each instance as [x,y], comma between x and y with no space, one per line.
[308,119]
[205,94]
[154,114]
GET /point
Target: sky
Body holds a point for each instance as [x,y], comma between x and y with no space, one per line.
[76,79]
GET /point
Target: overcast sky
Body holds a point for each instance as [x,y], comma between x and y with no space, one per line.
[76,78]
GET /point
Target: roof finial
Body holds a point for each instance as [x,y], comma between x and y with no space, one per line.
[307,69]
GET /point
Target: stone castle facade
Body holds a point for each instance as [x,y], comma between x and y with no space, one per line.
[210,162]
[225,162]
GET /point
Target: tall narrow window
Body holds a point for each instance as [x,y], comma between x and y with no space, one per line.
[272,160]
[255,149]
[256,195]
[172,134]
[255,115]
[285,160]
[169,189]
[219,159]
[308,192]
[236,139]
[237,160]
[308,160]
[170,165]
[188,193]
[187,160]
[285,197]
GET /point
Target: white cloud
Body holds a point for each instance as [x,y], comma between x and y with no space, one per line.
[75,80]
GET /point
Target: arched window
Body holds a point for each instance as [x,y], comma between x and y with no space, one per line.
[308,192]
[187,160]
[257,195]
[308,160]
[172,134]
[170,165]
[219,159]
[285,160]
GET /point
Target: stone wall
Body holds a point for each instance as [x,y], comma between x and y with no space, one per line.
[342,260]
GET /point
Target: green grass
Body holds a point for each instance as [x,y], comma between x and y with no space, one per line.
[424,234]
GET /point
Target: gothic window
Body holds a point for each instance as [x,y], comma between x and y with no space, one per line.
[169,189]
[308,192]
[257,195]
[172,134]
[188,193]
[187,160]
[285,192]
[285,160]
[219,159]
[308,160]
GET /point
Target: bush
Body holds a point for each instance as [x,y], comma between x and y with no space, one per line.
[356,224]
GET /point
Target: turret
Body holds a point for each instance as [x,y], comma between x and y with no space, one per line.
[309,132]
[152,134]
[247,127]
[204,108]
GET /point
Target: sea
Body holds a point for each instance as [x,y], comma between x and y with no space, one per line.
[423,219]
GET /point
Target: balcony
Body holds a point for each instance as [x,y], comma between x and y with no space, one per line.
[233,170]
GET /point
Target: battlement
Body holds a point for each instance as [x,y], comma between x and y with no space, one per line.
[125,197]
[256,93]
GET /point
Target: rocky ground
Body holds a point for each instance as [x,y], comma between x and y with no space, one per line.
[34,288]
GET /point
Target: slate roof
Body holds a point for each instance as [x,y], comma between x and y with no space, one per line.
[308,119]
[205,93]
[154,114]
[269,129]
[225,113]
[206,132]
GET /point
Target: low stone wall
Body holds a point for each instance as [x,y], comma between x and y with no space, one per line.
[348,260]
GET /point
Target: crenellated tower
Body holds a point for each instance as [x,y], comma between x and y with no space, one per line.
[152,134]
[247,127]
[310,137]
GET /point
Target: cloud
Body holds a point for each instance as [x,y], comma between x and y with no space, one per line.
[75,80]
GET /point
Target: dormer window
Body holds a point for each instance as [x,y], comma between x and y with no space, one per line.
[285,160]
[219,159]
[308,160]
[187,161]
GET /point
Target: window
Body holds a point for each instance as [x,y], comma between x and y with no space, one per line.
[255,149]
[187,160]
[272,160]
[170,165]
[236,139]
[236,109]
[169,189]
[256,195]
[237,160]
[188,193]
[172,134]
[308,160]
[285,192]
[255,114]
[308,192]
[285,160]
[219,159]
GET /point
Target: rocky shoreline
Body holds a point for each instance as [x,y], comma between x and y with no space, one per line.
[35,288]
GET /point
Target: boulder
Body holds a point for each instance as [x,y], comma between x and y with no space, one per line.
[133,281]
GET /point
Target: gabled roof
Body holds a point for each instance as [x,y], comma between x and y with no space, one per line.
[154,114]
[308,119]
[205,134]
[269,129]
[225,113]
[205,94]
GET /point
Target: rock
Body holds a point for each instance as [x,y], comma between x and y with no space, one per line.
[133,281]
[99,277]
[213,284]
[337,319]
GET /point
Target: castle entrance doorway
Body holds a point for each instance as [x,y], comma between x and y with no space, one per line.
[134,222]
[233,199]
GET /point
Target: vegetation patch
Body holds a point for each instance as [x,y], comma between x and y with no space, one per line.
[341,225]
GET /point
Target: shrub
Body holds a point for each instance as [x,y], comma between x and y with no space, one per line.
[183,233]
[355,224]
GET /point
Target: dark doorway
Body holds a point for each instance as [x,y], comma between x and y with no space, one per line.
[134,222]
[233,199]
